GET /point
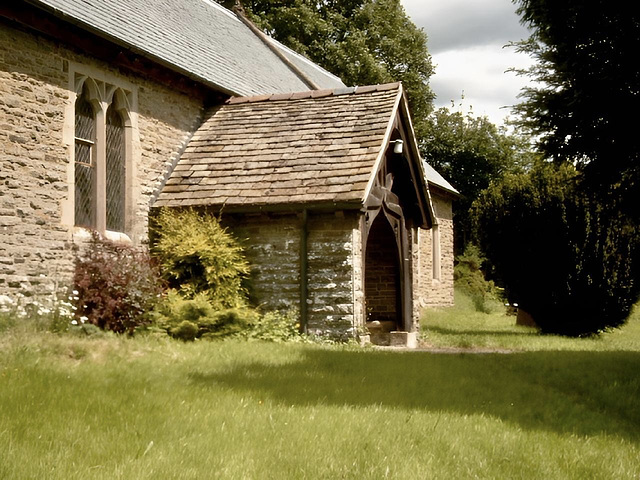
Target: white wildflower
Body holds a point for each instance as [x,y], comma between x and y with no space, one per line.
[5,300]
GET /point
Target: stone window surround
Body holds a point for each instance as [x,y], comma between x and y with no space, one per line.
[105,89]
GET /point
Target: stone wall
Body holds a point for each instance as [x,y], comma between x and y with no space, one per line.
[336,290]
[434,286]
[272,246]
[36,188]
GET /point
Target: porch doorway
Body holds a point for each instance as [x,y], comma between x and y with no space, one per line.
[382,279]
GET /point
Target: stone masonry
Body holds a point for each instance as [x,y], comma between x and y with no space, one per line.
[336,291]
[435,288]
[272,245]
[35,186]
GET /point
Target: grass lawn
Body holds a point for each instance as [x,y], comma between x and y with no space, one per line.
[110,408]
[461,327]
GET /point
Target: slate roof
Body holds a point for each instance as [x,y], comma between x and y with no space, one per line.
[197,38]
[438,180]
[315,147]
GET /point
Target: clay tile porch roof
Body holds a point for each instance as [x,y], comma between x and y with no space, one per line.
[317,148]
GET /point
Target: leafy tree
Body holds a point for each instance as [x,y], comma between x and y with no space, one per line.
[587,88]
[587,83]
[471,152]
[364,42]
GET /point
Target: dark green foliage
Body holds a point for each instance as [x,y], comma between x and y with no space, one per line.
[588,79]
[562,256]
[587,82]
[364,42]
[471,152]
[229,322]
[117,285]
[468,278]
[198,256]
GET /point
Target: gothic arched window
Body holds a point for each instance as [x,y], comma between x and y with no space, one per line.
[115,171]
[85,168]
[103,141]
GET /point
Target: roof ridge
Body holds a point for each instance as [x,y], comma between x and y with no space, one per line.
[303,58]
[315,93]
[238,9]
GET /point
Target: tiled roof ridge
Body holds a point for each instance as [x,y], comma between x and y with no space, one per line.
[315,93]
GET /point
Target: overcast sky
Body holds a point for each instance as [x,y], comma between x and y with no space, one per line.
[466,40]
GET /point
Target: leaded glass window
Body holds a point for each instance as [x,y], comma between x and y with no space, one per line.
[85,171]
[115,181]
[102,155]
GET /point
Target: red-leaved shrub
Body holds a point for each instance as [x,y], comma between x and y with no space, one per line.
[117,285]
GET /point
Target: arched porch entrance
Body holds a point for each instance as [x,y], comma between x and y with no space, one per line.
[382,278]
[394,206]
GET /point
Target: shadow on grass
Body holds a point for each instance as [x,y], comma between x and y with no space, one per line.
[474,331]
[583,393]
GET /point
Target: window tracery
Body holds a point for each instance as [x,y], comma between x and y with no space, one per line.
[101,151]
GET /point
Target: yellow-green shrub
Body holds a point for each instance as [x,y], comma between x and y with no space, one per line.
[198,256]
[191,318]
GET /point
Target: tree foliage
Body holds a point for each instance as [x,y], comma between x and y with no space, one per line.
[471,152]
[588,87]
[364,42]
[562,256]
[587,84]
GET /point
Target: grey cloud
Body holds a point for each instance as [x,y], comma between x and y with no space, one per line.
[459,24]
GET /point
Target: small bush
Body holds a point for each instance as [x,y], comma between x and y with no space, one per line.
[191,318]
[176,315]
[185,330]
[230,322]
[468,278]
[115,285]
[277,327]
[198,256]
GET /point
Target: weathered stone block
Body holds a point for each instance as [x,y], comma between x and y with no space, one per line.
[403,339]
